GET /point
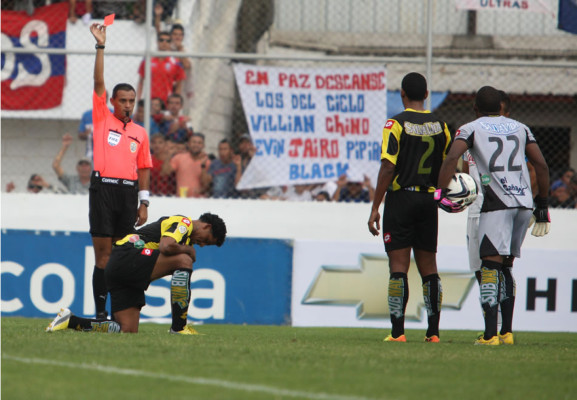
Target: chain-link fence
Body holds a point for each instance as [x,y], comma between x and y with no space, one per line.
[310,82]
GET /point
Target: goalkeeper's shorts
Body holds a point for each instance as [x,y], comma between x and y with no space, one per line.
[502,232]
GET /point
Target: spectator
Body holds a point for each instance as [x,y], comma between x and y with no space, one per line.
[157,110]
[175,126]
[246,151]
[290,193]
[37,184]
[162,178]
[354,191]
[138,118]
[218,179]
[167,72]
[325,192]
[82,8]
[75,184]
[188,167]
[560,190]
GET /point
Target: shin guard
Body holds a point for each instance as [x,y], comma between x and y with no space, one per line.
[398,298]
[507,301]
[180,298]
[490,287]
[433,296]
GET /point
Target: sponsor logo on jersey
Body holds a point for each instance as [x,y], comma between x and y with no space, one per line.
[458,133]
[512,189]
[426,129]
[146,252]
[113,138]
[389,124]
[182,229]
[485,179]
[500,129]
[186,221]
[133,147]
[110,180]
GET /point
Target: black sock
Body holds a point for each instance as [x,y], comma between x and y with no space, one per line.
[96,325]
[99,290]
[398,298]
[180,298]
[507,300]
[490,286]
[433,296]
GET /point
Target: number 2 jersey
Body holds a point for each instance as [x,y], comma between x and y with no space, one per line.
[417,143]
[497,144]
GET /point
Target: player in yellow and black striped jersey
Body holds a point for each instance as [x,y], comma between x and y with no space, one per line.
[415,143]
[162,248]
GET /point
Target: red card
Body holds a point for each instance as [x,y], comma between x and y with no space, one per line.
[109,20]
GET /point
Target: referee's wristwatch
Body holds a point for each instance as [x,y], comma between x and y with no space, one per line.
[145,202]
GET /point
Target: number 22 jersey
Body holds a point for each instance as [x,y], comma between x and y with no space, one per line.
[497,144]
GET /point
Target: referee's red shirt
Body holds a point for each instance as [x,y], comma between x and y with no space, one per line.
[119,151]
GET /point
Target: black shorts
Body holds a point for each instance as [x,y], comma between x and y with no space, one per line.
[127,276]
[410,219]
[112,209]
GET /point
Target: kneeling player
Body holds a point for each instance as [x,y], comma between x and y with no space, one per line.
[152,252]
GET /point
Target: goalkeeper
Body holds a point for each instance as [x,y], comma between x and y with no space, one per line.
[156,250]
[500,145]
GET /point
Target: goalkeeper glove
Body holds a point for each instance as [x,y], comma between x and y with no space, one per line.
[445,204]
[542,219]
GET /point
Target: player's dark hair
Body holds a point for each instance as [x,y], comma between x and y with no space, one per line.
[218,227]
[225,141]
[198,134]
[506,101]
[488,100]
[140,103]
[122,86]
[415,86]
[177,27]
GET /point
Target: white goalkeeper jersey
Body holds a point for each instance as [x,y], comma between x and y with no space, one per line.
[475,208]
[497,144]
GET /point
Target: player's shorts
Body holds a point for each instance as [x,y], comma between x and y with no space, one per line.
[502,232]
[473,242]
[113,206]
[410,219]
[127,276]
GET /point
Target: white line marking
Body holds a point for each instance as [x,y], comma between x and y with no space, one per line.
[196,381]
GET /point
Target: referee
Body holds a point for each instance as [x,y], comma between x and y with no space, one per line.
[121,174]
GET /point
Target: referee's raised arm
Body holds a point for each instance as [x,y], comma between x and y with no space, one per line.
[99,33]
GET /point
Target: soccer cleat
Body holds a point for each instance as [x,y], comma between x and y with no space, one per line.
[507,338]
[432,339]
[390,338]
[60,322]
[187,330]
[494,341]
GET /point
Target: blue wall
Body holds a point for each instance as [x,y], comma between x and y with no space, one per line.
[257,277]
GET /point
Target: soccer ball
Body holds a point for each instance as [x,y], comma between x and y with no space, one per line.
[462,189]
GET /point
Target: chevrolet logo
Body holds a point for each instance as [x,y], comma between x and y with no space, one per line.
[366,287]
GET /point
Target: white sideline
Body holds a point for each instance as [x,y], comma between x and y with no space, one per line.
[196,381]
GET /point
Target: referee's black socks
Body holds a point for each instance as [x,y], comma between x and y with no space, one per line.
[99,291]
[398,298]
[180,298]
[433,296]
[490,286]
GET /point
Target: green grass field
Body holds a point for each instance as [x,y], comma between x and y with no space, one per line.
[271,362]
